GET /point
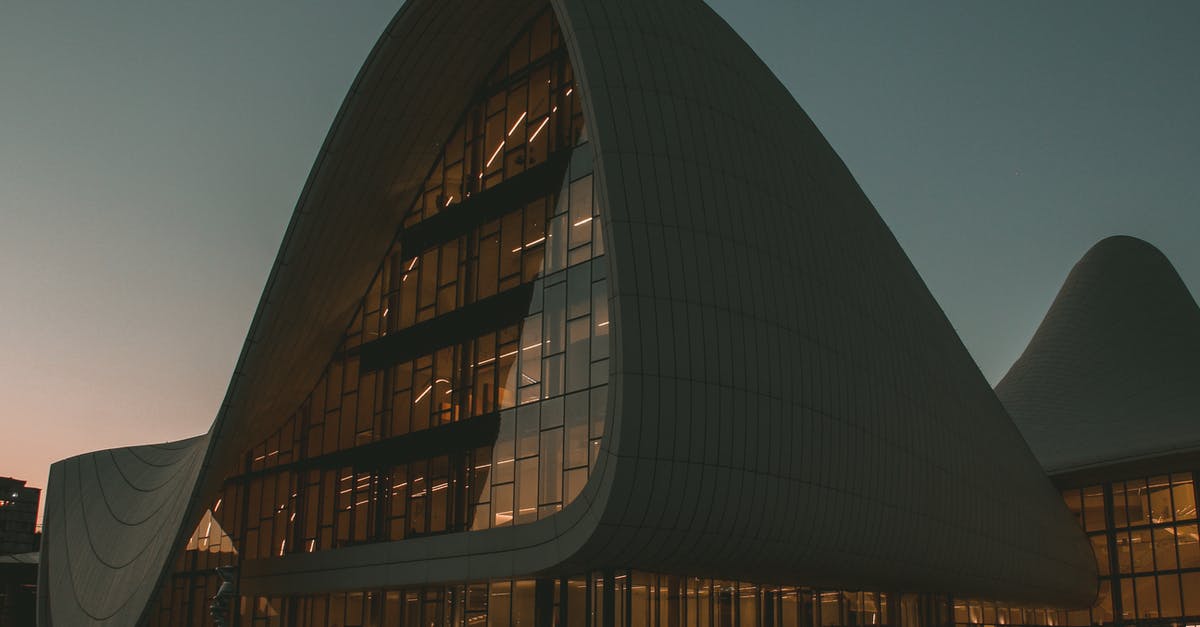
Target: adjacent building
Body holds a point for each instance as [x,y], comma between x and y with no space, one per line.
[18,516]
[1108,396]
[578,321]
[19,540]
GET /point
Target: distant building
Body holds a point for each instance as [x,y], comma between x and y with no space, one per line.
[1108,396]
[18,557]
[18,516]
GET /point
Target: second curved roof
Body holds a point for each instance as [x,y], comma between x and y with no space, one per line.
[1113,372]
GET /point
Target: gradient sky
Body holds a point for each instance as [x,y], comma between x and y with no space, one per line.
[151,155]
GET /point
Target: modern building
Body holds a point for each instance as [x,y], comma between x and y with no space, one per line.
[578,321]
[19,540]
[1108,397]
[18,516]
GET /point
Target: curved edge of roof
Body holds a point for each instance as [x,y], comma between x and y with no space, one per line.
[1109,376]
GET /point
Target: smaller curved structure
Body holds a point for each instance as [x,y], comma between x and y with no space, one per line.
[1113,372]
[103,547]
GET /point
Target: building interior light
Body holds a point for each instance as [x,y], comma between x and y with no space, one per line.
[418,400]
[495,154]
[516,124]
[540,127]
[530,244]
[410,269]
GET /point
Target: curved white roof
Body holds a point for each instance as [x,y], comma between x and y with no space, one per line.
[1113,372]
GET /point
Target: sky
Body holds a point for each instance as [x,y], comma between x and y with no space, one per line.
[152,153]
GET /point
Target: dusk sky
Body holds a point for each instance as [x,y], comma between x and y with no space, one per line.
[152,153]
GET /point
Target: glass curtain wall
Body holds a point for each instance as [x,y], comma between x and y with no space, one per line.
[1146,539]
[470,390]
[617,599]
[1144,532]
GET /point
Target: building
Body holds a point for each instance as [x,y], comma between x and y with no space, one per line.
[19,540]
[18,516]
[578,321]
[18,589]
[1108,396]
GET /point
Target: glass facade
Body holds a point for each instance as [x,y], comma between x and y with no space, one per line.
[1147,544]
[1144,533]
[185,596]
[614,599]
[470,390]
